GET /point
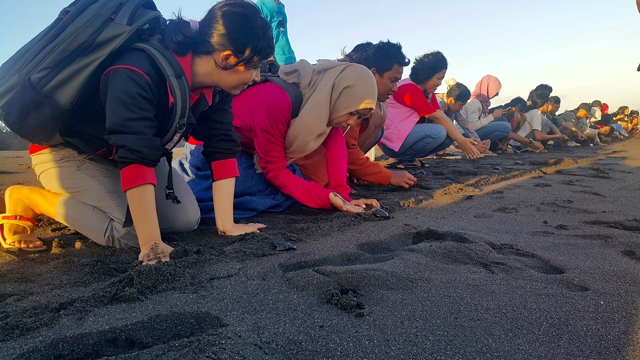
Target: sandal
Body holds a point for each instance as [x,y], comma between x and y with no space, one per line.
[23,221]
[487,153]
[405,165]
[504,150]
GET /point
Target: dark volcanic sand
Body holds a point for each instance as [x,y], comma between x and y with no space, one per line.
[520,256]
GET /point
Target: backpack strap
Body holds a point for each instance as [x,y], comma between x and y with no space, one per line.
[293,90]
[182,118]
[269,72]
[179,86]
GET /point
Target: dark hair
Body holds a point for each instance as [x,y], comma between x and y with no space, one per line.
[544,87]
[621,110]
[235,25]
[554,100]
[381,56]
[633,113]
[459,92]
[538,98]
[540,88]
[427,66]
[519,103]
[357,54]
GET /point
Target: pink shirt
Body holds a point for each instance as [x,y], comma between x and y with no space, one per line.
[262,115]
[406,107]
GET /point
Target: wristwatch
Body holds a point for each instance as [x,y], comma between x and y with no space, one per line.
[530,141]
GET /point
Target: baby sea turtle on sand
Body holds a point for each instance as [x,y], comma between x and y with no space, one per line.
[282,245]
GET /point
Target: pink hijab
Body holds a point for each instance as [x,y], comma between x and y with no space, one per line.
[487,88]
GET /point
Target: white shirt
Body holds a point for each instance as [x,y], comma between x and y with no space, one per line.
[596,115]
[534,122]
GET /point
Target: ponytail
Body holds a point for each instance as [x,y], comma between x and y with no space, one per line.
[179,36]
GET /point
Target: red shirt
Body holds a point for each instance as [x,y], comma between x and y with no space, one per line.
[412,97]
[406,107]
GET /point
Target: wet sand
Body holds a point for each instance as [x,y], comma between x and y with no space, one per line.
[524,256]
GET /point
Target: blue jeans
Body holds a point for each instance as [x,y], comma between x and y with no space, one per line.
[423,140]
[253,193]
[494,131]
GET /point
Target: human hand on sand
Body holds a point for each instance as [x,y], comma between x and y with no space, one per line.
[537,146]
[581,136]
[403,179]
[468,147]
[355,206]
[157,251]
[483,146]
[240,229]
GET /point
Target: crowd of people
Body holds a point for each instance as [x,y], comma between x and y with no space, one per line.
[267,145]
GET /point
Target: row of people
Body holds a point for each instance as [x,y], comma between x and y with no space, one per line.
[255,146]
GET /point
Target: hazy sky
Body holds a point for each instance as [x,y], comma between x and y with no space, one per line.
[585,49]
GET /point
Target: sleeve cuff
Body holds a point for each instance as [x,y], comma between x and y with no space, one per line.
[224,169]
[385,176]
[136,175]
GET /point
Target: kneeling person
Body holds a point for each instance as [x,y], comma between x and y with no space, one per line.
[386,62]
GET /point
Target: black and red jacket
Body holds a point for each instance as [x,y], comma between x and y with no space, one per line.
[126,118]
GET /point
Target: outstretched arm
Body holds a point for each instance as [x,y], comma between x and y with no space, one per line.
[466,145]
[541,136]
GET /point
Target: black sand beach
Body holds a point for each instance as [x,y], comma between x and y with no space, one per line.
[521,256]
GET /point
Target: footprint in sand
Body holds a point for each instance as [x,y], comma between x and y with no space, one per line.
[631,255]
[629,225]
[506,210]
[127,339]
[588,193]
[527,258]
[343,279]
[594,237]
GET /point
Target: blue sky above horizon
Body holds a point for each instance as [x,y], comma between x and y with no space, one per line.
[586,50]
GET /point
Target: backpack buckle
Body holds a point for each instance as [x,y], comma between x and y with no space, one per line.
[169,193]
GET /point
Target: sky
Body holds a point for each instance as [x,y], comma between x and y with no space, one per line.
[584,49]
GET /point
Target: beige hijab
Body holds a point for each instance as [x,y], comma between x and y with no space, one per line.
[330,89]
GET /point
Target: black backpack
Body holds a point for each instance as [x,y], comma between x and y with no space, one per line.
[42,82]
[269,72]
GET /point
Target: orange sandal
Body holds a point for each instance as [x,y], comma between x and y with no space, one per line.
[23,221]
